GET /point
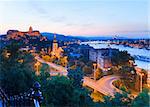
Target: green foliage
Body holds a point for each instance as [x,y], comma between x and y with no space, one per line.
[121,58]
[142,100]
[60,91]
[45,68]
[17,74]
[44,74]
[119,100]
[77,76]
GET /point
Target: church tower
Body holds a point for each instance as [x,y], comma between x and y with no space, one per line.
[55,44]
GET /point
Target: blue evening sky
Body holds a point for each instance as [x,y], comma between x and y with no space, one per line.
[77,17]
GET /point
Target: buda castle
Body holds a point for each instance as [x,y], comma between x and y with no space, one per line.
[15,33]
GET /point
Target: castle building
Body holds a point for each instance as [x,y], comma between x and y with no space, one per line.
[15,33]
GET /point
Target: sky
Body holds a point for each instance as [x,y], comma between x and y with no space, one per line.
[77,17]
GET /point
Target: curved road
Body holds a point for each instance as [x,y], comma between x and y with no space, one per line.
[104,85]
[60,69]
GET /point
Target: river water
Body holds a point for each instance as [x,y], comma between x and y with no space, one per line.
[133,51]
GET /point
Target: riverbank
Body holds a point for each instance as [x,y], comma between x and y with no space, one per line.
[133,51]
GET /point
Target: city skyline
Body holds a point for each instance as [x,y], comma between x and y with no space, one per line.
[79,18]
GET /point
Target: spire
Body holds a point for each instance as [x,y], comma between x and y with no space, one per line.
[54,38]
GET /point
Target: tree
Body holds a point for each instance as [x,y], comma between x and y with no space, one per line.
[46,58]
[63,61]
[121,58]
[17,73]
[60,91]
[128,75]
[142,100]
[44,74]
[87,70]
[119,100]
[77,76]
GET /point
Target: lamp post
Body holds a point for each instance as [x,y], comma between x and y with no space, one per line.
[94,65]
[141,82]
[37,64]
[141,75]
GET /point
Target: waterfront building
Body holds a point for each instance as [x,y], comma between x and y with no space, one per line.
[102,57]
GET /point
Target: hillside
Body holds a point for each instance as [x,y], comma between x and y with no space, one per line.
[59,37]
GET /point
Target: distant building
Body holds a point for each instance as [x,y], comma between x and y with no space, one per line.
[75,55]
[102,57]
[15,33]
[56,50]
[84,50]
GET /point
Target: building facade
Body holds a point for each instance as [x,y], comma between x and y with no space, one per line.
[15,33]
[56,50]
[102,57]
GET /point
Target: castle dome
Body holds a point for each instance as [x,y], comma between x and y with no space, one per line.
[30,29]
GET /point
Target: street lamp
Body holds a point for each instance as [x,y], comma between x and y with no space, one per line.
[37,64]
[141,75]
[94,65]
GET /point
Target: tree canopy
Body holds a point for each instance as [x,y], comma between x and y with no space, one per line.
[77,76]
[121,58]
[142,100]
[17,72]
[60,91]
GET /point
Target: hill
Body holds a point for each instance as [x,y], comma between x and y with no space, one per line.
[59,37]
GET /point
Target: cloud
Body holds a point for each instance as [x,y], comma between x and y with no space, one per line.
[38,8]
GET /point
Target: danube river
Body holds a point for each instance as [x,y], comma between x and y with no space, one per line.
[145,54]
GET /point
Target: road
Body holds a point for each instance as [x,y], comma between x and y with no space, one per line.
[59,69]
[104,85]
